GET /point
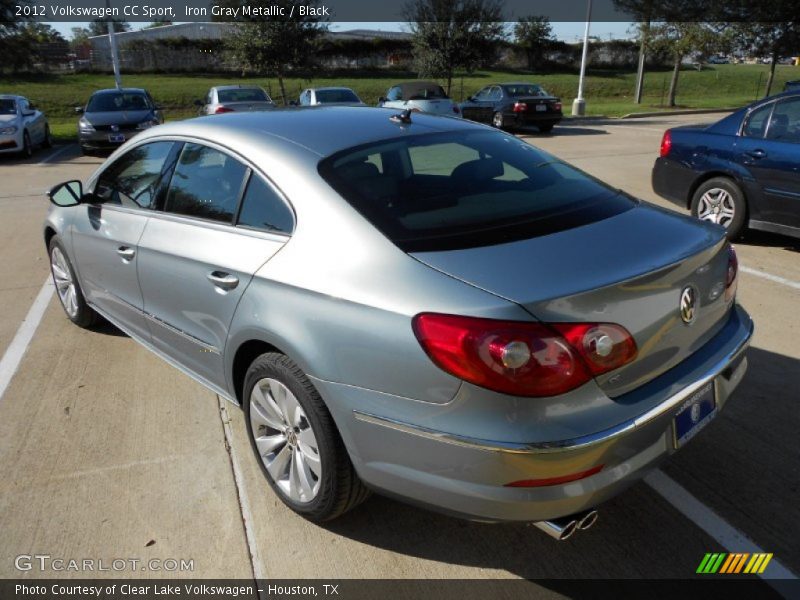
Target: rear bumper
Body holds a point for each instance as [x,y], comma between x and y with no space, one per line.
[534,118]
[672,181]
[462,474]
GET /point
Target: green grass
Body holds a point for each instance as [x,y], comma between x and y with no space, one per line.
[607,92]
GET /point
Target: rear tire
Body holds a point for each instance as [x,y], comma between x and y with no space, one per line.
[719,200]
[498,120]
[68,289]
[299,448]
[48,139]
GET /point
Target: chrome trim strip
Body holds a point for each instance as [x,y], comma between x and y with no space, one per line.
[560,445]
[181,333]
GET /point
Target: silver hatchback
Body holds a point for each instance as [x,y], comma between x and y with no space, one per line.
[417,305]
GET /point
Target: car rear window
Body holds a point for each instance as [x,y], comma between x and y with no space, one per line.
[117,101]
[243,95]
[518,91]
[328,96]
[465,189]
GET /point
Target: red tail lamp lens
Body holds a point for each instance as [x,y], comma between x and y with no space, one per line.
[666,143]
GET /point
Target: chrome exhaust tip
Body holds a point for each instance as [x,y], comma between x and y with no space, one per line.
[588,519]
[559,529]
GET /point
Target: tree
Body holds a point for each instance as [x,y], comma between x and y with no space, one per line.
[680,39]
[157,24]
[774,39]
[533,35]
[451,34]
[275,46]
[100,26]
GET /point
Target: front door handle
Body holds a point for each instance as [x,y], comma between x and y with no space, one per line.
[757,153]
[222,280]
[126,252]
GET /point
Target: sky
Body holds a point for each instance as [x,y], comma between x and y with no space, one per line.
[566,32]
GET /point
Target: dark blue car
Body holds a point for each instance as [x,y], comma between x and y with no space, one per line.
[743,171]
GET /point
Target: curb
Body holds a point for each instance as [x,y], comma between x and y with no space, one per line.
[667,113]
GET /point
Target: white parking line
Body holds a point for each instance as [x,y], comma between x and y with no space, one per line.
[706,519]
[54,154]
[16,350]
[244,503]
[770,277]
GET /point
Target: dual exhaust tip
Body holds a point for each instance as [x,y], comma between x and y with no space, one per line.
[564,527]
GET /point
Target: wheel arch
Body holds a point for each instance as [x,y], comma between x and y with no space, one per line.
[49,232]
[706,176]
[244,356]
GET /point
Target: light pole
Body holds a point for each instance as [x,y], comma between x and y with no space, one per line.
[112,41]
[579,104]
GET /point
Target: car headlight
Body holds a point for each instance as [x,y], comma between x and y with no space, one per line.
[9,130]
[147,124]
[84,125]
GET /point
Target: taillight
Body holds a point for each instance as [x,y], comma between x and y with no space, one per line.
[731,275]
[666,143]
[456,109]
[520,107]
[557,106]
[523,358]
[222,109]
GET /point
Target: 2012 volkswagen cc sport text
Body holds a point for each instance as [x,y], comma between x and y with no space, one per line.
[412,304]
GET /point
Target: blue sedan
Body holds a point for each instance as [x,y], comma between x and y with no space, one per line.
[743,171]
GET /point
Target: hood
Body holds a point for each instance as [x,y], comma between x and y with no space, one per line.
[8,120]
[118,117]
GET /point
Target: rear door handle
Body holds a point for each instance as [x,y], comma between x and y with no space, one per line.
[757,153]
[224,281]
[126,252]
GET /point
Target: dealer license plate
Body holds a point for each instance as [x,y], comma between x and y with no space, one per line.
[116,137]
[696,412]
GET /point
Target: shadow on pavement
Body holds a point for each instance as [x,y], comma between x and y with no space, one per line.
[769,240]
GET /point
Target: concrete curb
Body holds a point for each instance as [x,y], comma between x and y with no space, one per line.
[689,111]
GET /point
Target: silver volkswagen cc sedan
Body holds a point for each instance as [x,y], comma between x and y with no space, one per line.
[417,305]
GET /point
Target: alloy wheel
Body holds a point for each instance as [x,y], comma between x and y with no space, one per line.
[65,286]
[717,206]
[285,440]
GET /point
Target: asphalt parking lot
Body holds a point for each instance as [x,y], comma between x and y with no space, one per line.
[106,451]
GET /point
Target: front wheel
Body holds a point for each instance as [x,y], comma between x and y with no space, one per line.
[296,441]
[48,138]
[721,201]
[27,147]
[67,287]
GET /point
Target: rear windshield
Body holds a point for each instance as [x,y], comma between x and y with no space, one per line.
[8,106]
[243,95]
[518,91]
[116,101]
[432,92]
[329,96]
[464,189]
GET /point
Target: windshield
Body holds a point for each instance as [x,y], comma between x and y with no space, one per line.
[118,101]
[8,106]
[427,93]
[329,96]
[516,91]
[464,189]
[243,95]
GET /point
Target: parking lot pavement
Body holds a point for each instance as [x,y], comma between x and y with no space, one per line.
[105,447]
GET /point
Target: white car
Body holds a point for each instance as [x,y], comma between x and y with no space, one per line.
[22,126]
[420,96]
[330,96]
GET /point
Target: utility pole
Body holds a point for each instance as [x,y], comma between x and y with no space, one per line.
[579,104]
[112,41]
[644,32]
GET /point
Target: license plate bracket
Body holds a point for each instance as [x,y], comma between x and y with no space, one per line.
[541,107]
[116,138]
[694,414]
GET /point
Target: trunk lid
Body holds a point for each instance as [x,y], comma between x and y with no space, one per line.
[630,269]
[534,102]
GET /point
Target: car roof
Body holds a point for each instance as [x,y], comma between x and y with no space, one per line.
[123,90]
[518,83]
[317,130]
[237,87]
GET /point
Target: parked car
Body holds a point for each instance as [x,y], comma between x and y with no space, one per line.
[512,105]
[420,96]
[338,96]
[739,172]
[234,98]
[22,126]
[416,305]
[113,116]
[718,60]
[793,85]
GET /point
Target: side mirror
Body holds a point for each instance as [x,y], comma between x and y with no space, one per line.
[79,109]
[28,113]
[68,193]
[198,103]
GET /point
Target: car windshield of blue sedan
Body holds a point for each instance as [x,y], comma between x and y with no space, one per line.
[117,101]
[519,91]
[464,189]
[8,106]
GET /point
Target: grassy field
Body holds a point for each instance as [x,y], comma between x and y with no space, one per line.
[607,92]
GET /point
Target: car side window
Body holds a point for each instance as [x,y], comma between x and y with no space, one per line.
[262,208]
[209,98]
[784,124]
[135,179]
[305,99]
[394,93]
[206,184]
[483,95]
[756,123]
[495,93]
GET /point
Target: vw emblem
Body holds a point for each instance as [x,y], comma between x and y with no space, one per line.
[115,128]
[688,305]
[695,413]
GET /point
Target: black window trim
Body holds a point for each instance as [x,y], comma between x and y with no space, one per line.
[771,103]
[280,197]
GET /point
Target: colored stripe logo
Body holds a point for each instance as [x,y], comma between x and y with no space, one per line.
[737,562]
